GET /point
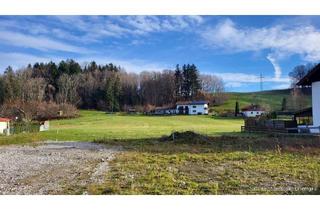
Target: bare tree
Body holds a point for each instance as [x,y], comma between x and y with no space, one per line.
[68,89]
[211,83]
[299,72]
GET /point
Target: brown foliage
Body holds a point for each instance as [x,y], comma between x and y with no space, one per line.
[34,110]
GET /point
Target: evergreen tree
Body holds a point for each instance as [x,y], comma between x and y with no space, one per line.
[112,93]
[284,104]
[2,94]
[11,85]
[237,111]
[194,78]
[53,73]
[191,84]
[178,80]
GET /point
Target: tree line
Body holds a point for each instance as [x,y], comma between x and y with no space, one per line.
[106,87]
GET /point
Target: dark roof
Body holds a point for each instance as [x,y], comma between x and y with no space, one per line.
[312,76]
[253,107]
[191,102]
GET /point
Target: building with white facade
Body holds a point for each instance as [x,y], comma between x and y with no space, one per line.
[313,79]
[192,107]
[252,111]
[4,126]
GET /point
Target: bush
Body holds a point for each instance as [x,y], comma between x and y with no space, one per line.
[39,111]
[226,113]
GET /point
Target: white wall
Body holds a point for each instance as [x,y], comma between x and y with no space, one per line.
[195,109]
[252,113]
[3,125]
[316,103]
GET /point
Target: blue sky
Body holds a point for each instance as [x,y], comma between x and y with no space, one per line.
[236,48]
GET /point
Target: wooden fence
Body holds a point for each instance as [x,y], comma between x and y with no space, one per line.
[269,125]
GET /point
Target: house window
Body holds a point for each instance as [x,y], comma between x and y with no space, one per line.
[194,110]
[257,112]
[251,112]
[194,106]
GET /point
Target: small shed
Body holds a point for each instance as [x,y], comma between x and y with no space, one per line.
[44,126]
[4,126]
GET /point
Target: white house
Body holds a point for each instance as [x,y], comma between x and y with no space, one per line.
[313,79]
[4,126]
[192,108]
[252,111]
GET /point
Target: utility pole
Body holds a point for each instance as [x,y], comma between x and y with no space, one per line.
[261,82]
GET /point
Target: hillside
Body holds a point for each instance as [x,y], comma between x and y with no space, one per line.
[270,99]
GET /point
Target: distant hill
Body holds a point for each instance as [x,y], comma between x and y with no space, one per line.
[271,99]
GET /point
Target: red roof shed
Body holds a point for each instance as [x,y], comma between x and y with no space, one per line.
[4,119]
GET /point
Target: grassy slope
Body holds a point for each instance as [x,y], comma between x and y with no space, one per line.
[93,125]
[271,99]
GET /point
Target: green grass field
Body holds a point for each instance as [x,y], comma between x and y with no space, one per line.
[94,125]
[232,162]
[270,99]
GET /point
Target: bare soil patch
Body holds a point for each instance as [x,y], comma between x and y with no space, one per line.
[53,167]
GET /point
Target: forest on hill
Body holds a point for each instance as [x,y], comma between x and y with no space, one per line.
[103,87]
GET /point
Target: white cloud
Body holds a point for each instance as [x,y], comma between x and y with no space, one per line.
[234,84]
[130,65]
[37,42]
[233,80]
[303,40]
[97,27]
[281,41]
[277,68]
[281,86]
[20,60]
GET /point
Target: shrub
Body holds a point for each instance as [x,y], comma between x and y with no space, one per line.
[34,110]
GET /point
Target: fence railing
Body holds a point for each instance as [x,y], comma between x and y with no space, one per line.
[306,130]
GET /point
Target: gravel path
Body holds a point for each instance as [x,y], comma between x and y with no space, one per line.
[53,167]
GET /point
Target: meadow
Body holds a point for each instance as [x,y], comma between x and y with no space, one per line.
[94,125]
[213,159]
[271,99]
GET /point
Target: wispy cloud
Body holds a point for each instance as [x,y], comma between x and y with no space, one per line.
[233,80]
[303,40]
[130,65]
[20,60]
[280,40]
[37,42]
[277,68]
[97,27]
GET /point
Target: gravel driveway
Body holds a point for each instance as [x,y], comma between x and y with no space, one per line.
[53,167]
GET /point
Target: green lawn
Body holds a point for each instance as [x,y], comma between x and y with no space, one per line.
[229,163]
[94,125]
[270,99]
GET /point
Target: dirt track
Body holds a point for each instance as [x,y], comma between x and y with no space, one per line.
[53,167]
